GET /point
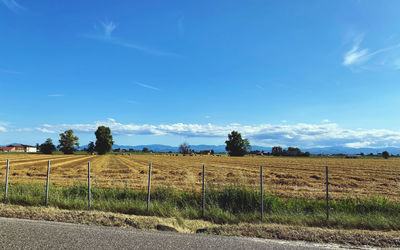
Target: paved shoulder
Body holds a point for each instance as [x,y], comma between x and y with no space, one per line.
[27,234]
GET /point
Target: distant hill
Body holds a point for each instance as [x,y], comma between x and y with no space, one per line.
[221,149]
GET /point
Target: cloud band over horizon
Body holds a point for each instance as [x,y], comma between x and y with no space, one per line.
[300,135]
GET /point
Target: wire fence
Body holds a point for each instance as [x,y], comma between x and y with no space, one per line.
[201,180]
[91,177]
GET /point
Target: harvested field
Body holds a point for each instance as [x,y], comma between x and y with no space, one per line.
[286,177]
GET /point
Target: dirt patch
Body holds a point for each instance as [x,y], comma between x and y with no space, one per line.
[315,177]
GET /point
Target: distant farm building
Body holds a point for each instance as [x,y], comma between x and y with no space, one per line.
[352,156]
[207,152]
[7,149]
[23,148]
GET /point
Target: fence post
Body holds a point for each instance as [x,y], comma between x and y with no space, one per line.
[204,191]
[327,197]
[148,188]
[47,183]
[7,170]
[89,192]
[262,195]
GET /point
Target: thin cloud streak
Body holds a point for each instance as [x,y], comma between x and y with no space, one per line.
[301,134]
[12,5]
[147,86]
[3,126]
[181,29]
[2,70]
[357,56]
[55,95]
[109,27]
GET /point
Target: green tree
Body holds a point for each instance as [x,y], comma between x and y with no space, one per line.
[277,151]
[90,148]
[235,145]
[68,141]
[47,147]
[184,148]
[145,150]
[385,154]
[104,140]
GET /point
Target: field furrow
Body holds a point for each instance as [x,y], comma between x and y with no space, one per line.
[286,177]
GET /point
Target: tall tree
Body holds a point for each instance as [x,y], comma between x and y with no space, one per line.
[104,140]
[385,154]
[90,148]
[47,147]
[277,151]
[184,148]
[236,145]
[68,141]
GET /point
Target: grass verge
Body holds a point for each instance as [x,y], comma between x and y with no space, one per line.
[230,205]
[268,231]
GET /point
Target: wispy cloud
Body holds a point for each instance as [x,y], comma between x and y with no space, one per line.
[181,29]
[147,86]
[55,95]
[3,126]
[301,134]
[12,5]
[359,56]
[109,27]
[107,37]
[355,55]
[8,71]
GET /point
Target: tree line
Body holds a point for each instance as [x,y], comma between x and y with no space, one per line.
[68,142]
[238,146]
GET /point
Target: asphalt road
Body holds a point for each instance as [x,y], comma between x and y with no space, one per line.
[27,234]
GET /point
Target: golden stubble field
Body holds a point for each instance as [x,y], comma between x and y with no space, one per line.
[289,177]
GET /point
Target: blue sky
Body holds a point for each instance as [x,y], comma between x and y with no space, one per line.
[290,73]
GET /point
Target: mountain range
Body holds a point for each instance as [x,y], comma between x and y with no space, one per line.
[221,149]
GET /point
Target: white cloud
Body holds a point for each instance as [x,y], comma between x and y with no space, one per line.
[12,5]
[181,29]
[55,95]
[10,71]
[301,134]
[3,126]
[355,55]
[109,27]
[325,121]
[379,58]
[146,86]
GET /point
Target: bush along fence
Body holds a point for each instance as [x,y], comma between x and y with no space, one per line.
[227,205]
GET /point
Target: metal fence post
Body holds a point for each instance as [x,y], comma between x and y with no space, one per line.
[262,195]
[148,188]
[47,183]
[7,170]
[327,197]
[204,192]
[89,192]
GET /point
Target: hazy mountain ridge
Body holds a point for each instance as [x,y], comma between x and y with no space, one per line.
[221,149]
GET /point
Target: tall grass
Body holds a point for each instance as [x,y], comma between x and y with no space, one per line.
[228,205]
